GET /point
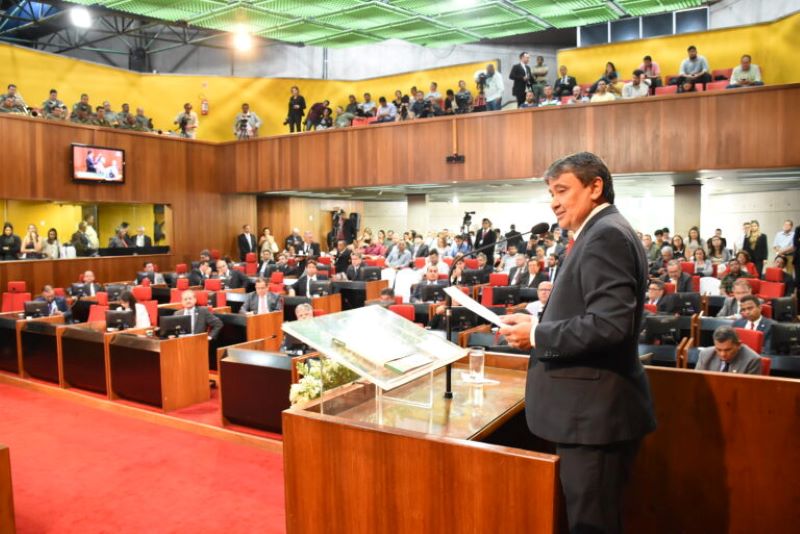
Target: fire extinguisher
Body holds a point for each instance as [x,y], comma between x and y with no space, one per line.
[203,106]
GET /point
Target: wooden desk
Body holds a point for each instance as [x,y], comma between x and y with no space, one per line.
[37,347]
[166,373]
[9,352]
[356,294]
[238,328]
[7,525]
[328,303]
[417,470]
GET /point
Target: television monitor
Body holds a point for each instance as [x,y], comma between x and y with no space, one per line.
[141,275]
[321,288]
[114,291]
[76,290]
[471,277]
[433,293]
[36,308]
[784,310]
[96,164]
[662,328]
[506,295]
[786,339]
[685,303]
[121,319]
[528,294]
[174,325]
[371,273]
[462,318]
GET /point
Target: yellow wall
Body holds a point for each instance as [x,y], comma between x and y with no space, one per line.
[163,95]
[772,46]
[110,216]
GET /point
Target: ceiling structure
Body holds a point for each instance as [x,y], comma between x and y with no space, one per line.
[715,182]
[345,23]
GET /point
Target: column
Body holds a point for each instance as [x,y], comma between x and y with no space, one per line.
[687,208]
[418,216]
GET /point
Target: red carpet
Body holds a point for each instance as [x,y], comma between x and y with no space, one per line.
[79,469]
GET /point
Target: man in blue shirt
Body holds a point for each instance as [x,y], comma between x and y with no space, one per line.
[694,69]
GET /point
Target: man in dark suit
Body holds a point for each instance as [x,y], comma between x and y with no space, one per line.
[355,272]
[419,249]
[140,240]
[309,247]
[231,278]
[519,271]
[752,319]
[522,78]
[265,265]
[431,279]
[728,355]
[534,275]
[58,305]
[261,300]
[202,318]
[656,297]
[564,84]
[342,257]
[586,389]
[515,238]
[676,276]
[302,288]
[90,287]
[484,269]
[294,240]
[484,238]
[200,273]
[552,269]
[247,242]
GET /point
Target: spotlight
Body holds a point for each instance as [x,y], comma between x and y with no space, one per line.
[80,17]
[242,40]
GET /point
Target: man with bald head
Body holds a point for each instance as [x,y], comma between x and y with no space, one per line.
[203,321]
[231,279]
[90,287]
[141,240]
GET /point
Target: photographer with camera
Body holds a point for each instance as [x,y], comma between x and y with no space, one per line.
[463,98]
[422,107]
[246,124]
[492,88]
[187,122]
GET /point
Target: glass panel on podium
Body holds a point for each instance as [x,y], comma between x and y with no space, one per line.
[386,350]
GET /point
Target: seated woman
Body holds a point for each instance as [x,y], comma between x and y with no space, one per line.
[607,76]
[127,302]
[702,265]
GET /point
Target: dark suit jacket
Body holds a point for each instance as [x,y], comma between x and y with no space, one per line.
[522,276]
[299,287]
[265,268]
[416,296]
[342,261]
[563,89]
[585,383]
[147,241]
[481,241]
[764,326]
[247,245]
[353,275]
[203,321]
[314,249]
[525,278]
[746,361]
[63,307]
[684,283]
[294,240]
[422,252]
[86,290]
[517,75]
[274,303]
[236,279]
[796,242]
[196,278]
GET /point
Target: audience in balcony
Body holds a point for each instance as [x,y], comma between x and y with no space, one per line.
[297,109]
[387,111]
[367,107]
[638,87]
[651,70]
[565,83]
[10,244]
[540,71]
[493,89]
[578,96]
[694,68]
[602,94]
[745,74]
[530,101]
[548,98]
[609,73]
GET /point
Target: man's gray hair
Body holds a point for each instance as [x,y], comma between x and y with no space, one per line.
[303,307]
[666,249]
[726,333]
[673,263]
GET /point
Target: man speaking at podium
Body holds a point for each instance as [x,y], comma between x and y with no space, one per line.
[586,390]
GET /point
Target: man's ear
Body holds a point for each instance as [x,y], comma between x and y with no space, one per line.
[597,188]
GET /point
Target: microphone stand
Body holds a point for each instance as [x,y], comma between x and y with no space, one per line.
[448,305]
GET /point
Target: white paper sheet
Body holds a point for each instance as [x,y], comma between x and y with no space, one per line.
[472,305]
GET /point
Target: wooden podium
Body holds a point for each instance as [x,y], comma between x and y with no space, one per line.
[399,468]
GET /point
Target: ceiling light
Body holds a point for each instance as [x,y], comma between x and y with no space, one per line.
[242,40]
[80,17]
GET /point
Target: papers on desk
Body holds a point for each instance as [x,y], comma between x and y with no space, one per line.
[472,305]
[403,365]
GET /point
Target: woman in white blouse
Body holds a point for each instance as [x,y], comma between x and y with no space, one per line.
[128,301]
[51,248]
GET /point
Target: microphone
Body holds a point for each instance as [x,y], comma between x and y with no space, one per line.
[541,228]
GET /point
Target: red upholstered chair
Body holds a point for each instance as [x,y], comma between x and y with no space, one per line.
[669,287]
[15,302]
[766,363]
[59,291]
[699,87]
[182,283]
[276,278]
[276,288]
[723,74]
[403,310]
[215,254]
[714,269]
[202,297]
[755,285]
[146,282]
[380,262]
[222,299]
[696,284]
[175,295]
[688,267]
[443,276]
[292,262]
[471,263]
[751,269]
[152,311]
[752,338]
[370,262]
[102,298]
[142,293]
[319,313]
[250,257]
[97,312]
[652,308]
[448,260]
[498,279]
[324,260]
[212,284]
[181,268]
[766,310]
[773,274]
[487,296]
[17,286]
[419,263]
[772,290]
[716,86]
[250,269]
[666,90]
[239,267]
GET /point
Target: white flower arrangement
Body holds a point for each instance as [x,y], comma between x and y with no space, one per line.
[309,386]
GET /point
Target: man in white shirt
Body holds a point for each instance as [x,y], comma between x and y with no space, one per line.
[638,87]
[694,68]
[602,94]
[543,292]
[187,122]
[746,74]
[493,89]
[91,233]
[246,124]
[387,112]
[434,93]
[784,243]
[509,260]
[141,240]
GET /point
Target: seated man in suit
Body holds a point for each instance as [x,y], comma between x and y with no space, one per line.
[431,279]
[730,309]
[303,312]
[342,258]
[150,270]
[564,84]
[434,260]
[386,298]
[58,305]
[302,288]
[420,249]
[261,300]
[729,355]
[231,279]
[140,240]
[484,268]
[309,248]
[90,287]
[656,297]
[265,264]
[676,276]
[355,272]
[752,319]
[200,273]
[543,292]
[120,240]
[202,318]
[533,276]
[519,271]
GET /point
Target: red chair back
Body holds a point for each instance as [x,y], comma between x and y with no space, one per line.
[419,263]
[276,288]
[250,269]
[766,310]
[666,90]
[276,278]
[142,293]
[97,312]
[202,297]
[324,260]
[752,338]
[696,284]
[215,254]
[17,286]
[766,363]
[652,308]
[212,284]
[771,290]
[59,291]
[669,287]
[182,283]
[15,302]
[688,267]
[239,267]
[716,86]
[146,282]
[723,73]
[471,263]
[222,299]
[773,274]
[181,268]
[755,285]
[102,298]
[319,313]
[498,279]
[487,296]
[403,310]
[250,257]
[175,295]
[152,311]
[380,262]
[448,260]
[751,269]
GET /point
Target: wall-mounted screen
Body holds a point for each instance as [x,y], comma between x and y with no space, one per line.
[96,164]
